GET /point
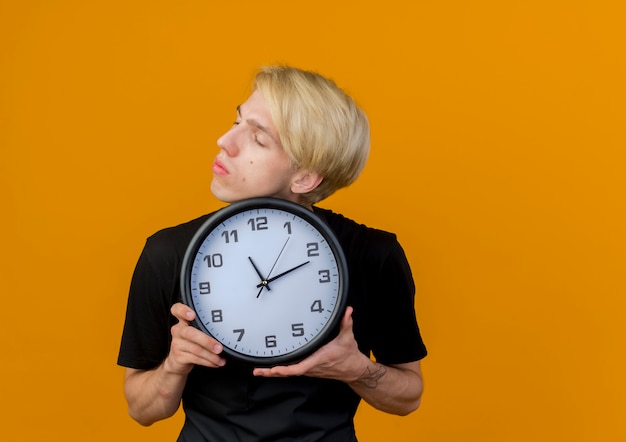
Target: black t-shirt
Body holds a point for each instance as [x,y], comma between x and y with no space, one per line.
[229,404]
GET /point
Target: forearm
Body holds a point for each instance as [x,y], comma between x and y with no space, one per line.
[393,389]
[153,395]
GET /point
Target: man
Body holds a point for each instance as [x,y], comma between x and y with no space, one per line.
[300,138]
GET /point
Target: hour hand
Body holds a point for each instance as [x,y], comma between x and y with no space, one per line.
[263,283]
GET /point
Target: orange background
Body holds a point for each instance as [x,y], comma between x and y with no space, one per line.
[498,135]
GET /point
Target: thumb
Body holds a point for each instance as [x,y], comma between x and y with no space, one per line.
[183,312]
[346,321]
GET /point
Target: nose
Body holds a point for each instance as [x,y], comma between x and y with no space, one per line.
[228,142]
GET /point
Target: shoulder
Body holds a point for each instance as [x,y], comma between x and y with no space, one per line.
[173,241]
[357,237]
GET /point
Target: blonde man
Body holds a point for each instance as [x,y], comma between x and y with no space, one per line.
[297,137]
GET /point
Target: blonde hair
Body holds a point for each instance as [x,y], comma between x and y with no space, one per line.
[320,127]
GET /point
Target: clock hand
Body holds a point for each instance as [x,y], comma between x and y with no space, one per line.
[274,278]
[264,281]
[260,275]
[278,257]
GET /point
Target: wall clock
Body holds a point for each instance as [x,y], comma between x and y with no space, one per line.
[268,279]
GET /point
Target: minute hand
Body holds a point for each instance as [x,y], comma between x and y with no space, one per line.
[274,278]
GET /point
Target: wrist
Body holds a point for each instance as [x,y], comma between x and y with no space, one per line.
[370,375]
[171,368]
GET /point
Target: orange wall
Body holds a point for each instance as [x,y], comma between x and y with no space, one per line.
[498,158]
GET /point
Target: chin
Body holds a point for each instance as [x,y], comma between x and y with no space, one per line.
[223,198]
[226,196]
[219,194]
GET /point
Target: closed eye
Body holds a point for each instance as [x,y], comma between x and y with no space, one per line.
[258,141]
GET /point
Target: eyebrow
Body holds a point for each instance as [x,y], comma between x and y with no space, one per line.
[258,125]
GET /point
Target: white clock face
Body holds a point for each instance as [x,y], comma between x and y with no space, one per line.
[265,283]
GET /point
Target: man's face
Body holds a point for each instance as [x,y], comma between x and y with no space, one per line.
[251,161]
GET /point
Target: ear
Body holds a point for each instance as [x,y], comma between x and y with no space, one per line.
[305,180]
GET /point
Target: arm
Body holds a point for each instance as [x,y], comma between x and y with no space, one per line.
[152,395]
[395,389]
[155,394]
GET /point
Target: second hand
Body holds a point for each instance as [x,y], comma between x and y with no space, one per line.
[264,282]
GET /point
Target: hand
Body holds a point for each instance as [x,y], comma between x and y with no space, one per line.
[189,345]
[339,359]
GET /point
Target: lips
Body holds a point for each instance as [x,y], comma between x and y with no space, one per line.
[219,168]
